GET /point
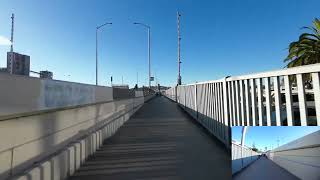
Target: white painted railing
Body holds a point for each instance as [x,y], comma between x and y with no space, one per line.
[275,98]
[242,157]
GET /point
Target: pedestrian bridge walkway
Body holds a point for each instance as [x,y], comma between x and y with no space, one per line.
[159,142]
[264,169]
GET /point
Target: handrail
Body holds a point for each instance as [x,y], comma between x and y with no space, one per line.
[260,99]
[283,72]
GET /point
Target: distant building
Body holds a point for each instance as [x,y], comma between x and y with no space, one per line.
[3,70]
[18,64]
[46,74]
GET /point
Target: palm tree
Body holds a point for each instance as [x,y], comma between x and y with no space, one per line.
[307,49]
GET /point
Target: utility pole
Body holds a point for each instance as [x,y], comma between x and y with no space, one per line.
[179,39]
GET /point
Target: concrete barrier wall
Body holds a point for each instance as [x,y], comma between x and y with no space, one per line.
[24,94]
[29,138]
[119,93]
[300,157]
[242,157]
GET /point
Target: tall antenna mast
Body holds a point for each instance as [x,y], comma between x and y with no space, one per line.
[12,29]
[179,38]
[10,64]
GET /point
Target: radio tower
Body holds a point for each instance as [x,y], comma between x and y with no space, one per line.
[179,38]
[10,65]
[12,29]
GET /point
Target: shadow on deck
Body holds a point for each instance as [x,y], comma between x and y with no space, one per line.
[159,142]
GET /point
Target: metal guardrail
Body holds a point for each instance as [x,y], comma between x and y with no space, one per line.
[275,98]
[242,157]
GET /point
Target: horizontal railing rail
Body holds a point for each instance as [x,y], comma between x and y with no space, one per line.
[284,97]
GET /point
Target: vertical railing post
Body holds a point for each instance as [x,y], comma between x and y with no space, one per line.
[225,110]
[185,97]
[176,93]
[195,100]
[316,92]
[302,100]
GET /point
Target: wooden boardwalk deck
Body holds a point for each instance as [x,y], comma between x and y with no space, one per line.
[159,142]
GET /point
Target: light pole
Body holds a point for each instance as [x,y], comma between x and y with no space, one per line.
[148,27]
[97,28]
[243,137]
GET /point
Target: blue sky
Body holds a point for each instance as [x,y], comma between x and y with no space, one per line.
[268,136]
[219,38]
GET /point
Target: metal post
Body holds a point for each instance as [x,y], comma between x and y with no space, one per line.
[226,111]
[149,49]
[11,47]
[244,131]
[97,56]
[179,39]
[97,28]
[149,56]
[195,100]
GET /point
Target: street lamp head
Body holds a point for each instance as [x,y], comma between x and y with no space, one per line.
[98,27]
[142,24]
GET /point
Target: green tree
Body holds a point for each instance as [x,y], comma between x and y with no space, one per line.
[254,147]
[307,49]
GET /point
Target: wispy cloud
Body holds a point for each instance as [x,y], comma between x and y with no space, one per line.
[4,41]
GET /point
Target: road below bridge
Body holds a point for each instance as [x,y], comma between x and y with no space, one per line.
[159,142]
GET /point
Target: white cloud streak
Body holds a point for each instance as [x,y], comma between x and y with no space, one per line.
[4,41]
